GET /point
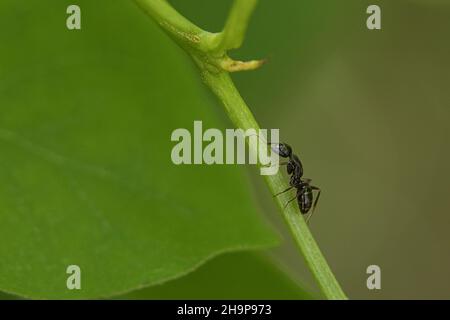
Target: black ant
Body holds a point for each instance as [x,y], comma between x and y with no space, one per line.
[304,196]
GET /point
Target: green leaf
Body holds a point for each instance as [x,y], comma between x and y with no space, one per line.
[230,276]
[86,176]
[242,275]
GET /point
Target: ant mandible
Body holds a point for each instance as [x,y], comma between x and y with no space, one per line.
[304,195]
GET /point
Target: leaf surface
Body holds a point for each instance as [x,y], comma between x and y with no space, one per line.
[86,176]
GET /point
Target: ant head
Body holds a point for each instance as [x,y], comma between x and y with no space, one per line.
[282,149]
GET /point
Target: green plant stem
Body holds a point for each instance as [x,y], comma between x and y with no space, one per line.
[233,34]
[180,29]
[210,56]
[222,85]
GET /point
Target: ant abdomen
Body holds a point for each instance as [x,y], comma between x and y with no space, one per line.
[305,200]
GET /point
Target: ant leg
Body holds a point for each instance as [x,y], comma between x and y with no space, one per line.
[315,202]
[285,206]
[276,195]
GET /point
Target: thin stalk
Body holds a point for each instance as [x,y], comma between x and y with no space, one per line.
[180,29]
[209,52]
[236,26]
[241,116]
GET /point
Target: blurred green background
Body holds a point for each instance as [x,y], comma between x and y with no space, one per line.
[368,113]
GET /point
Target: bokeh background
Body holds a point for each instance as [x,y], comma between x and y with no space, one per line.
[368,113]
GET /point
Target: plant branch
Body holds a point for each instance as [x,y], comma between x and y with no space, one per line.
[222,85]
[213,68]
[180,29]
[233,33]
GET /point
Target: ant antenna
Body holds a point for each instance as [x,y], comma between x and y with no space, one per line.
[263,139]
[259,138]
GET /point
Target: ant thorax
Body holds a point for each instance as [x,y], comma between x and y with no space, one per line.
[295,181]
